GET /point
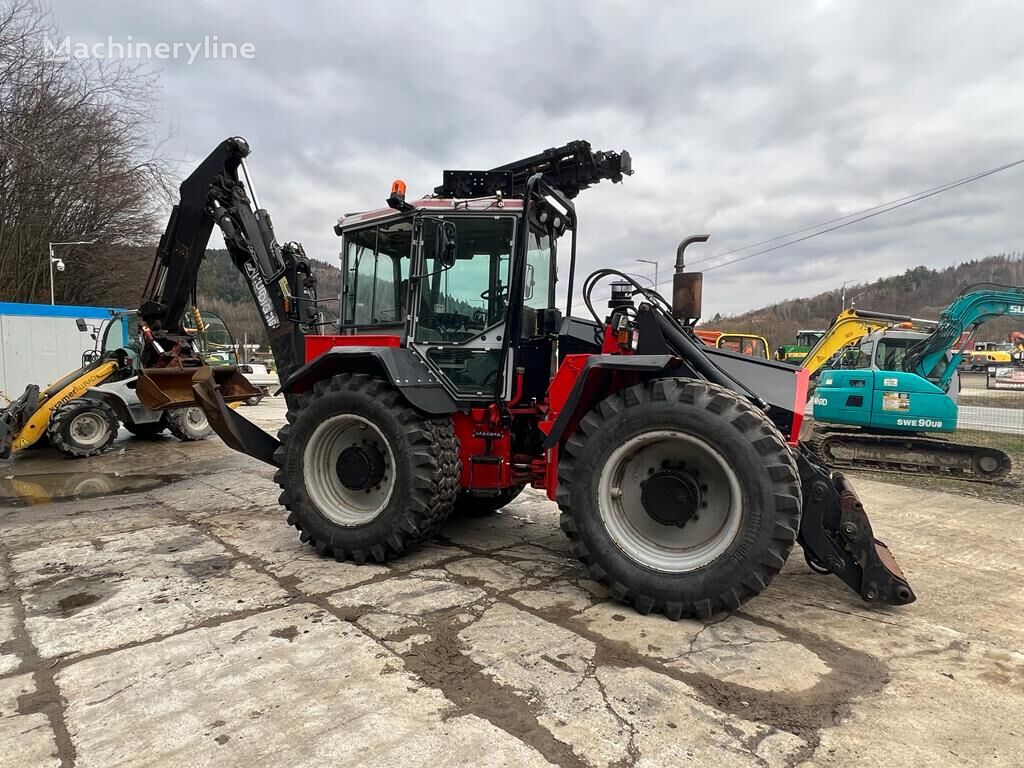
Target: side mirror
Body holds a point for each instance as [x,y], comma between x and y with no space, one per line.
[445,245]
[82,325]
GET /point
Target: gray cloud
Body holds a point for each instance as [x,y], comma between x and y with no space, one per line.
[745,120]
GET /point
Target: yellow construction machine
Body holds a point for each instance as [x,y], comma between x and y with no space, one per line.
[81,412]
[849,327]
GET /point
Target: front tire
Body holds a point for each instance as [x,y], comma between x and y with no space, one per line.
[188,424]
[82,428]
[363,474]
[680,497]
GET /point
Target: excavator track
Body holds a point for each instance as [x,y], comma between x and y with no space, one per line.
[908,454]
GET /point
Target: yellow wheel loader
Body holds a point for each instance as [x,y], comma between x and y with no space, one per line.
[81,412]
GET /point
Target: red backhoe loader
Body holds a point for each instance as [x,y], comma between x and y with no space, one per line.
[453,379]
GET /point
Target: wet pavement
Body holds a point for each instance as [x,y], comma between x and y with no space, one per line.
[156,610]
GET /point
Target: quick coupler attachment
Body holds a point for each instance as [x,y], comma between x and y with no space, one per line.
[836,536]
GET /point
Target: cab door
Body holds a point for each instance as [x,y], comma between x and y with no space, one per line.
[459,322]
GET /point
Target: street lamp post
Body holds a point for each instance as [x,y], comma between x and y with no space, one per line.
[651,261]
[60,262]
[844,292]
[853,301]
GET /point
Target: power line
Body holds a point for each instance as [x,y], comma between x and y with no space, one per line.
[886,205]
[852,218]
[923,196]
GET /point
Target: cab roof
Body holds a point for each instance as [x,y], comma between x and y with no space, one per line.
[435,205]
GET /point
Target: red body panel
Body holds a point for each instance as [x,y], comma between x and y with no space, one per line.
[561,385]
[472,428]
[317,345]
[803,376]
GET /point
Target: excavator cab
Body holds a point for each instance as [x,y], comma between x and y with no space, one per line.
[878,393]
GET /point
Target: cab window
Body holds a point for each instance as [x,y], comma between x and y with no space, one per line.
[376,274]
[864,355]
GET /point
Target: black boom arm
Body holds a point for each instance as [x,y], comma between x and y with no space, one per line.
[570,168]
[279,277]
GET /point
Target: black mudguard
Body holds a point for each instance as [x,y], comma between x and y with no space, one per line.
[403,368]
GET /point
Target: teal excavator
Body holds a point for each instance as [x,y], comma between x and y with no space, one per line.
[879,415]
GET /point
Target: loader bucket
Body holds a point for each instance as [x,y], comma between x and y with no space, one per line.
[237,432]
[162,388]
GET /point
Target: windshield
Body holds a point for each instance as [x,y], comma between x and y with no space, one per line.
[472,295]
[215,343]
[745,345]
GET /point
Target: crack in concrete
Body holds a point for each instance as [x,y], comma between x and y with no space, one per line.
[632,749]
[47,698]
[442,663]
[852,673]
[800,714]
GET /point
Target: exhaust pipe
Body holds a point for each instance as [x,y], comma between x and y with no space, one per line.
[687,286]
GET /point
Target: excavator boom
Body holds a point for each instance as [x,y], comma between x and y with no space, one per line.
[974,306]
[849,327]
[280,280]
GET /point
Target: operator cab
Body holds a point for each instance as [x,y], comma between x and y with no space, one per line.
[885,350]
[451,261]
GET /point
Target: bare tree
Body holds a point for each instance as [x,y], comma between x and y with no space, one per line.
[76,159]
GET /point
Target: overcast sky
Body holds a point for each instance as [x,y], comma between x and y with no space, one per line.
[744,120]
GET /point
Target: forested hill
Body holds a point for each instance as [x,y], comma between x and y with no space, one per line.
[223,290]
[116,277]
[919,292]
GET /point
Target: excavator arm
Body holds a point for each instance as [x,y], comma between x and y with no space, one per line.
[849,327]
[279,278]
[974,306]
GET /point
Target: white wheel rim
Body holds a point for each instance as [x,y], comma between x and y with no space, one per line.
[647,541]
[196,419]
[89,429]
[340,504]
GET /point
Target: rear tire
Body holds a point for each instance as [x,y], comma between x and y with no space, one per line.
[467,505]
[188,424]
[735,491]
[82,428]
[363,474]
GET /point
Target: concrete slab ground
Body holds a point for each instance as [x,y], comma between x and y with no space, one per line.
[156,610]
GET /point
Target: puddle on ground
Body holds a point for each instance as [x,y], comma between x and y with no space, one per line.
[48,487]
